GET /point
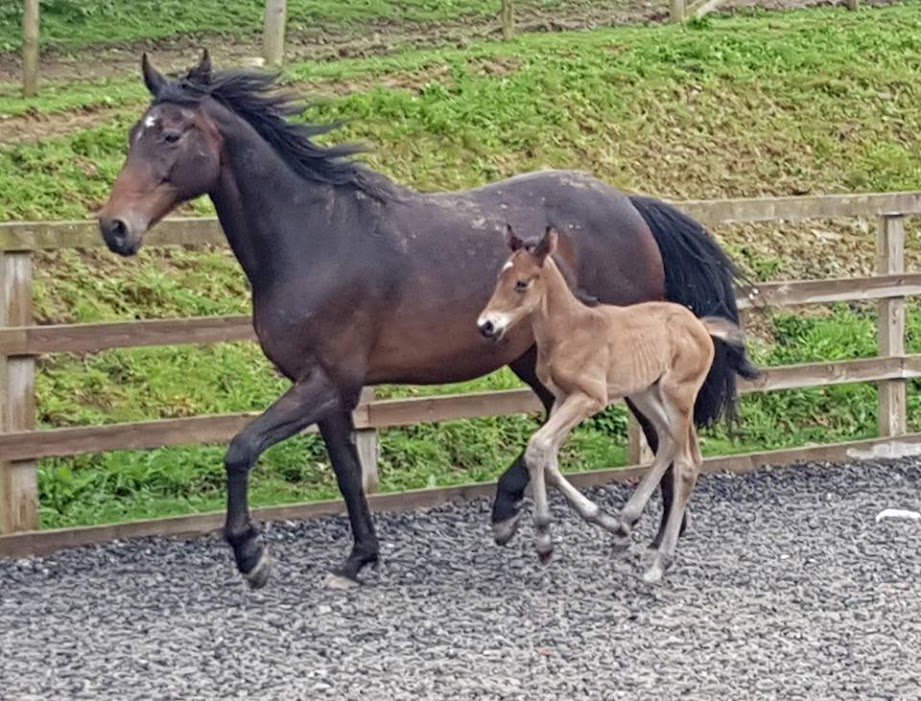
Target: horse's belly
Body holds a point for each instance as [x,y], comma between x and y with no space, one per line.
[439,353]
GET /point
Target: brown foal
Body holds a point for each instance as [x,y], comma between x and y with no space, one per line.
[657,354]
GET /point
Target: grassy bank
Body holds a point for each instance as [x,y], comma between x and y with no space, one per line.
[812,101]
[78,24]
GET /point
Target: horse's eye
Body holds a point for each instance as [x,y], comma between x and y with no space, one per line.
[522,285]
[171,137]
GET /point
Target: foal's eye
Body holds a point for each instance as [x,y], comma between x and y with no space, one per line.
[522,285]
[171,137]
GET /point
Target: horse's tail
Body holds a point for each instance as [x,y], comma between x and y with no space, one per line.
[700,276]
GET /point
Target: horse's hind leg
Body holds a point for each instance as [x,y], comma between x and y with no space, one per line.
[687,468]
[666,484]
[506,508]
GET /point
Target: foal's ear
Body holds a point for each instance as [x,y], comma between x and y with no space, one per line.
[547,245]
[153,78]
[201,74]
[514,243]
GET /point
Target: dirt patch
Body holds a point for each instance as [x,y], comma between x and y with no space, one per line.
[325,43]
[34,125]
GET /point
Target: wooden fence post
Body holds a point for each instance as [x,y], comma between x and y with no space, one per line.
[508,19]
[273,35]
[638,450]
[368,445]
[18,480]
[678,10]
[30,23]
[890,259]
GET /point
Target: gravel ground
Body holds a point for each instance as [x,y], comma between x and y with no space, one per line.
[785,587]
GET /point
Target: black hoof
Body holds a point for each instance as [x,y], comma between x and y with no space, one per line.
[346,575]
[259,575]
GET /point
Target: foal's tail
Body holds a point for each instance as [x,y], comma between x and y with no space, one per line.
[700,276]
[734,337]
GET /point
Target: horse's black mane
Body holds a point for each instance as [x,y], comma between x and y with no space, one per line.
[253,97]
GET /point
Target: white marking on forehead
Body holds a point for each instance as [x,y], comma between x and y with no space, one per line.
[150,121]
[508,264]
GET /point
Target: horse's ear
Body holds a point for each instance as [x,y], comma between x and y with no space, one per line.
[153,78]
[201,74]
[547,245]
[514,243]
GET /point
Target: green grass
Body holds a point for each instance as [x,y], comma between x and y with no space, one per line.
[813,101]
[77,24]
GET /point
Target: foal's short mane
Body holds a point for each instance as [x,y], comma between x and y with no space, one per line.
[253,97]
[580,294]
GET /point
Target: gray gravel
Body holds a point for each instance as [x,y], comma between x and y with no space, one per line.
[785,587]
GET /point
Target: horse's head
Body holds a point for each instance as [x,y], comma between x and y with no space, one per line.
[173,156]
[520,287]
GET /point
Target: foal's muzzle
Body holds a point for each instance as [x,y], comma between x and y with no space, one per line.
[491,328]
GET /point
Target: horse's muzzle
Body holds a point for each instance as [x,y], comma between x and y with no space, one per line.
[119,237]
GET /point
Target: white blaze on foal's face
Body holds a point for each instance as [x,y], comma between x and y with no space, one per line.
[514,297]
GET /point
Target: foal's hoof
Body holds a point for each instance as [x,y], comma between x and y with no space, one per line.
[340,582]
[544,546]
[609,523]
[504,531]
[259,575]
[654,574]
[621,545]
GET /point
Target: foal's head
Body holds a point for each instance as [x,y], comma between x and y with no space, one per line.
[520,287]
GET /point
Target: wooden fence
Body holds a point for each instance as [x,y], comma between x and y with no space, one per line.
[21,445]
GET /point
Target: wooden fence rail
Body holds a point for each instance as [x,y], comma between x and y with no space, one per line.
[21,341]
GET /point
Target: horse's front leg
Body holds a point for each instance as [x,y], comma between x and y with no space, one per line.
[337,431]
[308,401]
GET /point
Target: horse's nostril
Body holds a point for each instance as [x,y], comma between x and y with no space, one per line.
[487,328]
[118,228]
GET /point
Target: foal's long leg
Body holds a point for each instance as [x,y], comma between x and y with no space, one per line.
[309,400]
[585,507]
[506,508]
[687,468]
[666,484]
[650,404]
[337,432]
[541,454]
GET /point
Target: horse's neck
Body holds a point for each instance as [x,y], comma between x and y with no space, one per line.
[559,311]
[259,201]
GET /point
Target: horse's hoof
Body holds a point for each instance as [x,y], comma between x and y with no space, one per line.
[504,531]
[259,575]
[338,581]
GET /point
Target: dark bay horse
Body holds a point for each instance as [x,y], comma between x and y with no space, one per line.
[359,281]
